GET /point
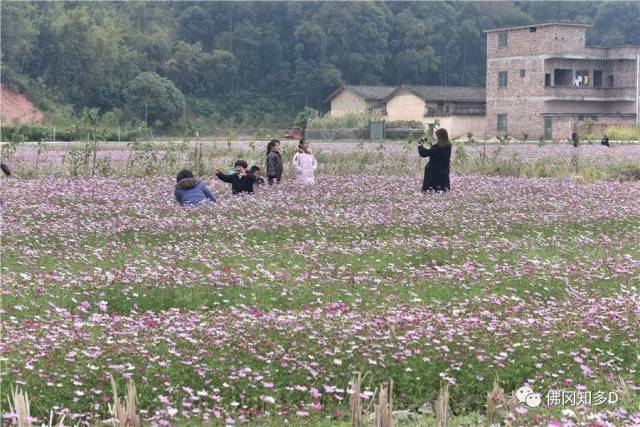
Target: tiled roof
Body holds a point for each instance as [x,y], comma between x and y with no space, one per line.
[369,93]
[546,24]
[446,93]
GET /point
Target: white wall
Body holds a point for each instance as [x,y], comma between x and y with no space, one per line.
[406,106]
[347,102]
[459,126]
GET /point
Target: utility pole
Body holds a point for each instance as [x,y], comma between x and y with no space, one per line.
[145,115]
[637,88]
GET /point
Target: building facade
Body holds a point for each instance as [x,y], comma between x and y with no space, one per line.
[348,99]
[544,82]
[461,110]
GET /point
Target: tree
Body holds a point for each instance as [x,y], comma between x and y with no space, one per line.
[18,36]
[617,23]
[274,57]
[201,73]
[195,25]
[312,84]
[156,98]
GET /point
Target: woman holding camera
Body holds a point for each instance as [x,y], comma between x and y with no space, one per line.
[436,173]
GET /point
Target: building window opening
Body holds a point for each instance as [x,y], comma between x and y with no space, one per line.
[532,29]
[523,73]
[502,123]
[503,40]
[562,77]
[582,78]
[502,79]
[610,80]
[547,79]
[597,78]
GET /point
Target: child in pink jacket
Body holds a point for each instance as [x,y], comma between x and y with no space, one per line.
[304,164]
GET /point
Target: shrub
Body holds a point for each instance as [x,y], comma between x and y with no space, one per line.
[156,97]
[405,124]
[348,121]
[629,173]
[39,133]
[624,134]
[303,117]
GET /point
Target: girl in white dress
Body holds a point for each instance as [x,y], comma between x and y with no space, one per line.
[304,164]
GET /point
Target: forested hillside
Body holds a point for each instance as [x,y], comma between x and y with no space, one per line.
[237,63]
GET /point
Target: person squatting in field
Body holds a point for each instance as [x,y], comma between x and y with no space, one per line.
[190,190]
[256,171]
[241,181]
[304,163]
[436,172]
[274,162]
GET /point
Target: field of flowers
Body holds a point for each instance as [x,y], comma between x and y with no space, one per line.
[589,162]
[260,309]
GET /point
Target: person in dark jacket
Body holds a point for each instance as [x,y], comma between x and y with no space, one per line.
[190,191]
[436,173]
[605,141]
[575,140]
[5,169]
[241,181]
[255,171]
[274,162]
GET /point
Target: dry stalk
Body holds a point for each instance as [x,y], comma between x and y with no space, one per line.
[20,407]
[60,423]
[124,413]
[495,399]
[384,408]
[442,407]
[356,400]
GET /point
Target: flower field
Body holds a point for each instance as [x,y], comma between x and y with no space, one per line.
[261,309]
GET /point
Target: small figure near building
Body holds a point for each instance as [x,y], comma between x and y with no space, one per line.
[605,141]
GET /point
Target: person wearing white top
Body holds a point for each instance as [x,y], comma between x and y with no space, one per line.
[304,164]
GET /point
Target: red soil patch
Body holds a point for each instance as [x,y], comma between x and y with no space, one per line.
[16,108]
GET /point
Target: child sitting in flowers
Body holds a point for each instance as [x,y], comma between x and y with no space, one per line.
[190,190]
[255,171]
[241,181]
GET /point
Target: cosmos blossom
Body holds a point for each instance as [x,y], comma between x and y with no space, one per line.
[270,303]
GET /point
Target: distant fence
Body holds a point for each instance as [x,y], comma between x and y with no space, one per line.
[336,134]
[361,134]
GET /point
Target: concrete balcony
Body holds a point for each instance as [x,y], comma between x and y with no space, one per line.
[573,93]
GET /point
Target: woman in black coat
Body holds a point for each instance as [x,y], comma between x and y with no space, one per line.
[436,173]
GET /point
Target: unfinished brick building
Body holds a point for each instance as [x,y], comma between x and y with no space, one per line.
[543,81]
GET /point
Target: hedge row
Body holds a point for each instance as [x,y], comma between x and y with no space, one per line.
[36,133]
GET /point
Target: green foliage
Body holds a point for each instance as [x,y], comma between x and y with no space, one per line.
[243,62]
[38,133]
[347,121]
[195,25]
[623,134]
[303,117]
[199,72]
[155,98]
[405,124]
